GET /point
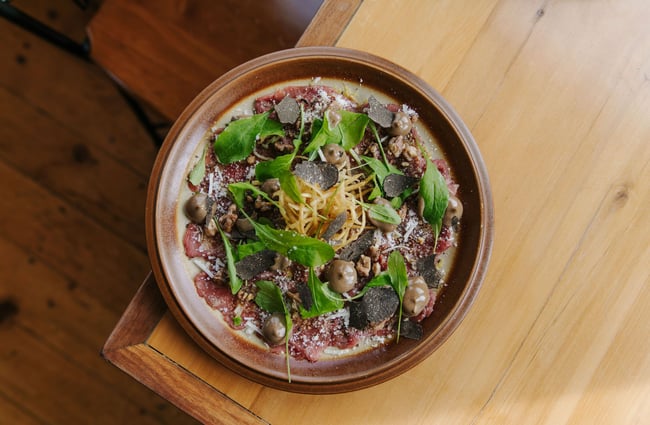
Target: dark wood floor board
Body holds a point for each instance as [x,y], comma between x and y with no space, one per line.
[63,16]
[11,413]
[74,164]
[92,107]
[56,391]
[73,169]
[66,318]
[65,239]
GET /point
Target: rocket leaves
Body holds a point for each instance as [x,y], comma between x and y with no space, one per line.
[323,299]
[237,140]
[347,132]
[398,280]
[295,246]
[269,297]
[435,194]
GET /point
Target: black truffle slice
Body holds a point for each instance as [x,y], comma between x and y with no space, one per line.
[426,267]
[379,113]
[305,296]
[377,305]
[353,251]
[335,225]
[322,173]
[288,110]
[254,264]
[411,330]
[395,184]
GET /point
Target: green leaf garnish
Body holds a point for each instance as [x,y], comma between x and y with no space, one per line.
[347,133]
[353,126]
[269,298]
[384,213]
[198,171]
[234,280]
[289,185]
[238,191]
[382,279]
[237,140]
[280,168]
[435,194]
[274,167]
[324,300]
[250,248]
[398,280]
[302,249]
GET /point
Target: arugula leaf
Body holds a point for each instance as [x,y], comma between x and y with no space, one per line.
[324,300]
[280,168]
[382,279]
[435,194]
[398,201]
[238,191]
[348,132]
[381,170]
[250,248]
[274,167]
[373,127]
[353,126]
[302,249]
[384,213]
[198,171]
[237,140]
[398,280]
[289,185]
[269,298]
[324,135]
[376,190]
[234,280]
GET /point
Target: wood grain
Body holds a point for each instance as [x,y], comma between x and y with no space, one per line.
[329,23]
[126,348]
[70,256]
[557,94]
[183,46]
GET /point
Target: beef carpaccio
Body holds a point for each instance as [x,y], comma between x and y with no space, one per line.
[321,221]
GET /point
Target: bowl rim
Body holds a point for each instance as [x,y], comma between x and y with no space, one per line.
[418,352]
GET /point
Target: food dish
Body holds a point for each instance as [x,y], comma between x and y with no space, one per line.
[368,78]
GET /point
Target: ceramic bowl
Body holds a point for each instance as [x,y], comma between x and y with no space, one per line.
[164,236]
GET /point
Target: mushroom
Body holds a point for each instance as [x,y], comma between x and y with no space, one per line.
[454,211]
[401,124]
[196,208]
[244,225]
[271,186]
[382,225]
[416,297]
[335,155]
[274,329]
[341,275]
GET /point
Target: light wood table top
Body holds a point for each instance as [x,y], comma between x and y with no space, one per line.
[557,95]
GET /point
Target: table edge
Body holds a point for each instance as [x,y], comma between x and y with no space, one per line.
[127,349]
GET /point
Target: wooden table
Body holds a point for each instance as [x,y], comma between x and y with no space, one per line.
[557,95]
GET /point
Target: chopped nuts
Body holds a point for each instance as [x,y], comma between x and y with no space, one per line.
[396,145]
[363,265]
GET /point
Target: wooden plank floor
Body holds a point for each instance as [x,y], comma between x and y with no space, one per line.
[74,163]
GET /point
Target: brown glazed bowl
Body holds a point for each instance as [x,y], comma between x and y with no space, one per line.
[164,235]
